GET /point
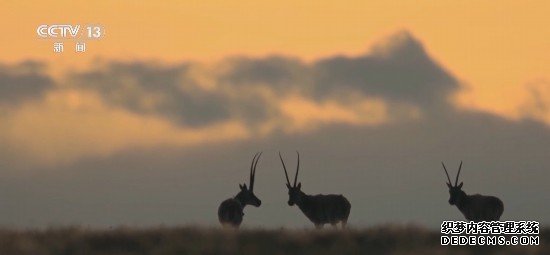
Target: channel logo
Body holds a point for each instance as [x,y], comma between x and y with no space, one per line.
[68,31]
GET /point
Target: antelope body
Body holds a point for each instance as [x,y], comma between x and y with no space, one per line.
[319,209]
[474,207]
[230,211]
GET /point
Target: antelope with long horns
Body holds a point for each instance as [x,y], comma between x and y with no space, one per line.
[319,209]
[230,212]
[474,207]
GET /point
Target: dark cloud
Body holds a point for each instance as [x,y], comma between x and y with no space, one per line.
[401,71]
[150,89]
[278,72]
[537,105]
[22,82]
[175,93]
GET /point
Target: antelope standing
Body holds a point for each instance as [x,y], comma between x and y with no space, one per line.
[473,207]
[230,212]
[319,209]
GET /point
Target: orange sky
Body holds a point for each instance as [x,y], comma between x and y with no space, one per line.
[496,48]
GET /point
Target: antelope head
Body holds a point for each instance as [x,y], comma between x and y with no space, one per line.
[455,191]
[246,194]
[294,191]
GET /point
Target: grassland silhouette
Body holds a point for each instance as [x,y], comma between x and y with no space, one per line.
[393,240]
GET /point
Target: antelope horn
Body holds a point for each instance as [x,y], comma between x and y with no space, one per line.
[284,167]
[448,178]
[297,169]
[459,168]
[252,172]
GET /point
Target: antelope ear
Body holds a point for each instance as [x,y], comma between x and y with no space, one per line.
[460,185]
[240,186]
[449,185]
[299,185]
[244,187]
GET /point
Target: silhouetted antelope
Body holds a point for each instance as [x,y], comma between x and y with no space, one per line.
[230,212]
[473,207]
[319,209]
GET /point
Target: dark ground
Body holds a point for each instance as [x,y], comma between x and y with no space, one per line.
[193,240]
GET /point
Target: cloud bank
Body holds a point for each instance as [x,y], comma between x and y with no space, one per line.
[25,81]
[236,99]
